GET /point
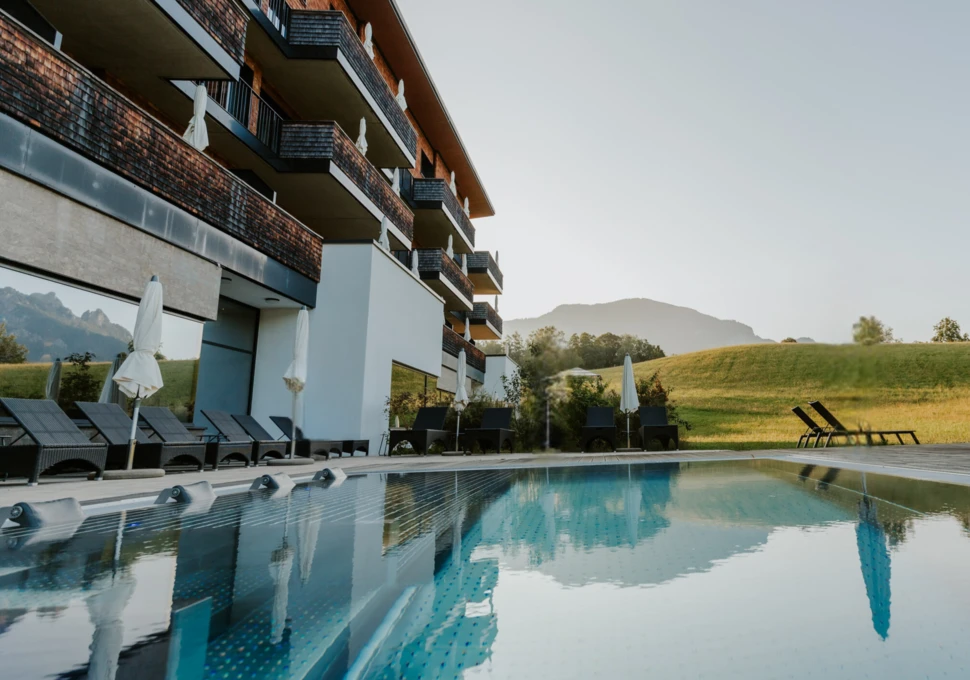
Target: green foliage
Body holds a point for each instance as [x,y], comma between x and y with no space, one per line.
[79,384]
[869,330]
[948,330]
[11,351]
[790,341]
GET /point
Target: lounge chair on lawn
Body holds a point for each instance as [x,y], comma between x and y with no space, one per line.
[600,424]
[428,428]
[231,432]
[496,430]
[170,429]
[839,430]
[654,425]
[56,440]
[308,447]
[814,429]
[114,425]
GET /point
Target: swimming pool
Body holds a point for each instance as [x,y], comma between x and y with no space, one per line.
[755,569]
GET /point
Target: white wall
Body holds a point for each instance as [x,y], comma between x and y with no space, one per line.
[370,312]
[495,368]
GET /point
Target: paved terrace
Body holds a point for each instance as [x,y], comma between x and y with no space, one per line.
[946,463]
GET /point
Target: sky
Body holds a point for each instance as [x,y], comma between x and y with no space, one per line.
[790,165]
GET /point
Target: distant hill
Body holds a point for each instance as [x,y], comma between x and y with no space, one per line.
[50,330]
[676,329]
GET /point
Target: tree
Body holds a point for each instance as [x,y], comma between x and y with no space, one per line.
[948,330]
[78,384]
[790,341]
[11,351]
[871,331]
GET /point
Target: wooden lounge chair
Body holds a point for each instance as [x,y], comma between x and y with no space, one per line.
[170,429]
[814,429]
[114,425]
[428,428]
[654,425]
[56,439]
[308,447]
[496,430]
[837,429]
[600,424]
[231,432]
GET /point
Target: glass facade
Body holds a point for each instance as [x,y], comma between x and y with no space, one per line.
[59,341]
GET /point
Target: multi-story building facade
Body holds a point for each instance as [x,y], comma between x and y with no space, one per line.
[334,178]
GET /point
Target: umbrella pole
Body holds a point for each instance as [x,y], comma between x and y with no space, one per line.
[457,430]
[628,430]
[293,433]
[134,427]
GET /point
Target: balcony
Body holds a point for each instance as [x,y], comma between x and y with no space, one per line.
[50,93]
[438,214]
[452,343]
[316,170]
[318,64]
[444,277]
[484,273]
[143,41]
[485,322]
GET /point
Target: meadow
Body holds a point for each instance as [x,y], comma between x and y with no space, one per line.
[741,397]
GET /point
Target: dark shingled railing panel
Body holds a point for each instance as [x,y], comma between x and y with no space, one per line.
[326,141]
[481,262]
[224,20]
[485,312]
[452,343]
[331,29]
[437,190]
[49,92]
[437,261]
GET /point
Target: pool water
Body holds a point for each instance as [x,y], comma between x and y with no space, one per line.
[754,569]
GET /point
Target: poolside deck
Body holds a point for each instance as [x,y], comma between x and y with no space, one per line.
[945,462]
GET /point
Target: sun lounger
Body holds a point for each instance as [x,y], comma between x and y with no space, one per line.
[836,429]
[114,425]
[496,431]
[654,425]
[428,428]
[308,447]
[170,429]
[231,432]
[600,424]
[814,429]
[56,439]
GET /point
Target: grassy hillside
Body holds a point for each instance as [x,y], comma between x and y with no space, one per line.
[740,397]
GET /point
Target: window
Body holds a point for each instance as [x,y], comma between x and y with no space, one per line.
[427,167]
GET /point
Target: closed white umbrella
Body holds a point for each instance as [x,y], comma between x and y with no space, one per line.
[109,391]
[280,569]
[196,134]
[105,609]
[468,331]
[461,394]
[415,269]
[450,250]
[629,399]
[139,377]
[296,375]
[383,241]
[53,388]
[307,532]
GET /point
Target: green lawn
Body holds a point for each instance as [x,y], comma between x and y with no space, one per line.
[740,397]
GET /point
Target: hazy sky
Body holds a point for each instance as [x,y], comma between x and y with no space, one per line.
[789,164]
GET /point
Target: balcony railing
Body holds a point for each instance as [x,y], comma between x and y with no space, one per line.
[49,92]
[452,343]
[239,100]
[433,191]
[326,141]
[436,261]
[481,262]
[485,312]
[320,32]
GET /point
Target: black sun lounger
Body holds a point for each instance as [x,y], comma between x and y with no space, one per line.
[428,428]
[114,425]
[600,424]
[836,429]
[56,440]
[170,429]
[232,433]
[496,431]
[814,429]
[308,447]
[654,425]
